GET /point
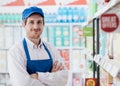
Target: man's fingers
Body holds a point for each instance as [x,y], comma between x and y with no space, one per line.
[61,68]
[55,64]
[58,66]
[35,76]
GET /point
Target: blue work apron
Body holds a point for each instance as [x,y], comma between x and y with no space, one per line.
[34,66]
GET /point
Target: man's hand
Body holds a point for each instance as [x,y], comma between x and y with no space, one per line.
[34,75]
[57,66]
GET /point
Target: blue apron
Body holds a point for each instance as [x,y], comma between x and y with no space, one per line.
[34,66]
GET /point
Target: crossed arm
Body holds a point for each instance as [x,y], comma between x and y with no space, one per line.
[56,67]
[20,77]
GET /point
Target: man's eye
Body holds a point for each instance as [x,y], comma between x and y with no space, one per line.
[40,22]
[31,22]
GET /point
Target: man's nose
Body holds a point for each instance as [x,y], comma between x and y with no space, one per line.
[36,26]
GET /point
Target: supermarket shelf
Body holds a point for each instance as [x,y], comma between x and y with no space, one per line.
[48,24]
[63,47]
[3,49]
[108,64]
[78,48]
[73,48]
[4,73]
[112,7]
[12,24]
[67,23]
[108,8]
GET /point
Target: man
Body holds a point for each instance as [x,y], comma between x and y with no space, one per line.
[32,62]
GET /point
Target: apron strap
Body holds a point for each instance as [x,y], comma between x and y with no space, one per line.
[27,52]
[26,49]
[47,51]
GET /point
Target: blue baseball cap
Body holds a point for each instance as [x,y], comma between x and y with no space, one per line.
[28,11]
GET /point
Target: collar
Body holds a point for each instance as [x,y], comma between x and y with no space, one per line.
[32,45]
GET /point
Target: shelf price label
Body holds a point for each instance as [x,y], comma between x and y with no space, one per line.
[109,22]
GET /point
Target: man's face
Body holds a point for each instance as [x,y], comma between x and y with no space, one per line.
[34,26]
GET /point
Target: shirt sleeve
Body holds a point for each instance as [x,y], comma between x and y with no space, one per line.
[55,55]
[59,78]
[17,70]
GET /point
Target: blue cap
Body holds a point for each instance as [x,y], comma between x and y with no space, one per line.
[28,11]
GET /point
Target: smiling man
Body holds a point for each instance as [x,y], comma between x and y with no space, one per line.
[33,62]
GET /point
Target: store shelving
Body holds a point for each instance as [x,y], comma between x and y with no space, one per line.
[109,66]
[111,7]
